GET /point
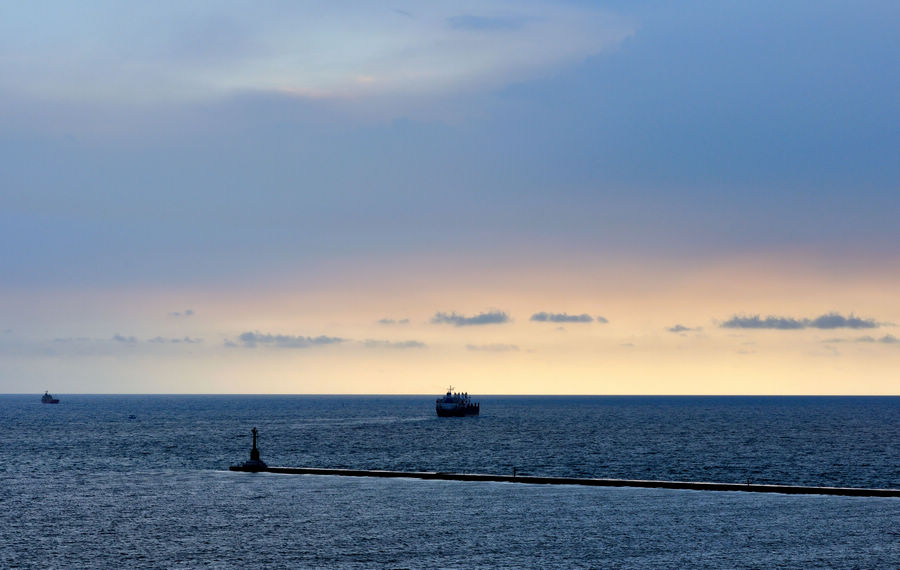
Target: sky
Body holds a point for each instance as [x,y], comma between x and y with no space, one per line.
[531,197]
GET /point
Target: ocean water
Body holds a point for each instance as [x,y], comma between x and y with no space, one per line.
[142,481]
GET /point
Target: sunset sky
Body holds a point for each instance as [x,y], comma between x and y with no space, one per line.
[531,197]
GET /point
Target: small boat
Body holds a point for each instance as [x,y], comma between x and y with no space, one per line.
[48,399]
[455,405]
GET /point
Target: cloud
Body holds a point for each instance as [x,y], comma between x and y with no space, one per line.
[185,314]
[492,347]
[203,51]
[185,340]
[836,321]
[118,338]
[681,328]
[886,339]
[755,322]
[489,318]
[387,321]
[370,343]
[253,339]
[482,23]
[562,318]
[827,321]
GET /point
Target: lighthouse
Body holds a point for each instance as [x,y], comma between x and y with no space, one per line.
[255,463]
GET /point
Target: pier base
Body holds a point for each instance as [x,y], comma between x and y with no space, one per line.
[686,485]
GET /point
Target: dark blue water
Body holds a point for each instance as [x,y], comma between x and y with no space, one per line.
[86,485]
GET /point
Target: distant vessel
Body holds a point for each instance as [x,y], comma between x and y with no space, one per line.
[48,399]
[456,404]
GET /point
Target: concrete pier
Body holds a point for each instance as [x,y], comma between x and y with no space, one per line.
[688,485]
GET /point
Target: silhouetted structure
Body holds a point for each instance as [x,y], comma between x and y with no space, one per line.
[456,404]
[255,463]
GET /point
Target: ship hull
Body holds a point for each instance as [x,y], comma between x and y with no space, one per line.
[456,412]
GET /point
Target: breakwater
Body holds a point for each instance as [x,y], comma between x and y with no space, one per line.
[527,479]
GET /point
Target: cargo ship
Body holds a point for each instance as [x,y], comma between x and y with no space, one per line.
[456,404]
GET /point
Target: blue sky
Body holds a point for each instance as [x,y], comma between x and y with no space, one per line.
[185,151]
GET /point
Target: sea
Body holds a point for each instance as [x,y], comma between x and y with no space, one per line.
[132,481]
